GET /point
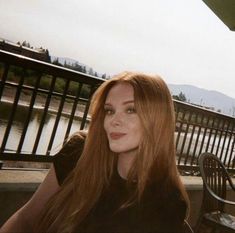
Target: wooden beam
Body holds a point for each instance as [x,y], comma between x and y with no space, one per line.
[225,10]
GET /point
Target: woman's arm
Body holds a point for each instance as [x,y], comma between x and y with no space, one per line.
[26,217]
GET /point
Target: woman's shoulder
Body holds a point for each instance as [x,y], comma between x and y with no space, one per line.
[75,142]
[66,159]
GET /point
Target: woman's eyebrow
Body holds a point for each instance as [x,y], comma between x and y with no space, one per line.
[125,102]
[128,102]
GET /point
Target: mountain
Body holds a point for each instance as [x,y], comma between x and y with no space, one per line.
[215,100]
[204,97]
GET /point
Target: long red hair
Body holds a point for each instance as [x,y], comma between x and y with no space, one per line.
[154,163]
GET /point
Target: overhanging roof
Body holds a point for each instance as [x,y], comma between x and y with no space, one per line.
[225,10]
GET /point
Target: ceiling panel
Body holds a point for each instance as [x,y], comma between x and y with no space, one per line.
[225,10]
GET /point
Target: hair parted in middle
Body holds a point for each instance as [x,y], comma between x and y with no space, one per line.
[153,164]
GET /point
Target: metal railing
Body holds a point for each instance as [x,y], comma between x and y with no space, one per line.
[50,89]
[199,130]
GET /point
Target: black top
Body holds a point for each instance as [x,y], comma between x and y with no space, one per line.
[65,161]
[151,214]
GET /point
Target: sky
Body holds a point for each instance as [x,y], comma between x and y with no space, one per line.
[183,41]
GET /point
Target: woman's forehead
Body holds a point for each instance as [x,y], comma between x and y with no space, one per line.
[121,91]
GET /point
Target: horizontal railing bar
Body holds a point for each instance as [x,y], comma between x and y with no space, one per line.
[26,157]
[23,169]
[202,110]
[208,127]
[45,91]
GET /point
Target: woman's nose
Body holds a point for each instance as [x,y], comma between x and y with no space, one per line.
[117,119]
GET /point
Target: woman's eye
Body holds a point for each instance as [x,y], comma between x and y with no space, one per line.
[108,111]
[131,110]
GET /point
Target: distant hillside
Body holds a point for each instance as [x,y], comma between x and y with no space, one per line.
[205,97]
[86,69]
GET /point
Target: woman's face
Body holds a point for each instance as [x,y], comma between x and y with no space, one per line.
[122,123]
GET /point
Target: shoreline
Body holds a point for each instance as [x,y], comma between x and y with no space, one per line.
[53,107]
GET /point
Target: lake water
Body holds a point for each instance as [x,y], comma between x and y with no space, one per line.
[19,119]
[18,124]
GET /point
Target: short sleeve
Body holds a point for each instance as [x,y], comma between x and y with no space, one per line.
[66,159]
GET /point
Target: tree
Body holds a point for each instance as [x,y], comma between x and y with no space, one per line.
[90,72]
[180,97]
[26,44]
[84,69]
[233,111]
[103,76]
[56,62]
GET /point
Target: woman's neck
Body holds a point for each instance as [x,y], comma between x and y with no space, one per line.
[124,163]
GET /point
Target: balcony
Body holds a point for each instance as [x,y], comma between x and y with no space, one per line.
[42,104]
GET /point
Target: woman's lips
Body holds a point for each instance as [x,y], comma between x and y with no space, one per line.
[116,136]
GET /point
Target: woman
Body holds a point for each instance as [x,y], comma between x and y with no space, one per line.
[126,179]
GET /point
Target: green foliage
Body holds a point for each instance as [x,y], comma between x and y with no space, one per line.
[103,76]
[15,73]
[180,97]
[74,66]
[56,62]
[73,88]
[85,92]
[30,77]
[60,85]
[45,82]
[26,44]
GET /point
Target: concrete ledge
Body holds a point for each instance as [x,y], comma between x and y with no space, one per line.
[21,180]
[192,182]
[22,176]
[17,186]
[10,177]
